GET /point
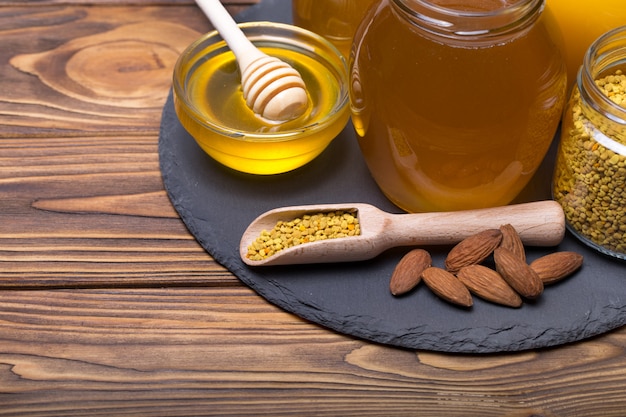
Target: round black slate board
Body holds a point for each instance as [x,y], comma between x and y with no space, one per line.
[217,204]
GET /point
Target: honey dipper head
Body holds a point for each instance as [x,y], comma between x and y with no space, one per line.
[274,90]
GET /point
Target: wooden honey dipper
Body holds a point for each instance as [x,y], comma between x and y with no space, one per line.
[272,88]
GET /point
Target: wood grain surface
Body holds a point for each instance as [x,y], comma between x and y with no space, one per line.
[109,307]
[83,92]
[204,351]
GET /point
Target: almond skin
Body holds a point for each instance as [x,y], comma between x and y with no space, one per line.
[518,274]
[447,286]
[408,273]
[556,266]
[512,241]
[486,283]
[473,249]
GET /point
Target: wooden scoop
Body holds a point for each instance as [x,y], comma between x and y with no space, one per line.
[539,223]
[272,88]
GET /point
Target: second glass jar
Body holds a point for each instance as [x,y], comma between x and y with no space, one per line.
[582,22]
[455,103]
[336,20]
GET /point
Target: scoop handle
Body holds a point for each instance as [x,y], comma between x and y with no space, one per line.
[540,223]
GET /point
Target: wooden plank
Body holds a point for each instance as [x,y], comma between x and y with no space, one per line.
[198,351]
[75,70]
[91,211]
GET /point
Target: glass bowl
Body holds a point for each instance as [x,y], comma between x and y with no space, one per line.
[209,103]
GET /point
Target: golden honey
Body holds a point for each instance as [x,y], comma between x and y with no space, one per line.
[460,116]
[210,105]
[336,20]
[582,22]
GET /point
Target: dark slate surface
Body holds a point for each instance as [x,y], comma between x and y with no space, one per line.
[267,10]
[217,204]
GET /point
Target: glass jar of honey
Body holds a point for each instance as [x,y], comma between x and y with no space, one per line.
[455,103]
[336,20]
[590,171]
[582,22]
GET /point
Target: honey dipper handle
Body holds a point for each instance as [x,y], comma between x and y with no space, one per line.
[223,22]
[540,223]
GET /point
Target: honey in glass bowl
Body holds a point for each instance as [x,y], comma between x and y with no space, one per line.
[455,103]
[209,102]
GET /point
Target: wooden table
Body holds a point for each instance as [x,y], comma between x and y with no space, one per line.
[108,306]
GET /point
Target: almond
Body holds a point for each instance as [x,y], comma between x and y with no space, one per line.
[473,249]
[489,285]
[556,266]
[447,286]
[512,241]
[517,273]
[408,272]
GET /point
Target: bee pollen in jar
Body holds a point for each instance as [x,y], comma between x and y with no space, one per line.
[590,176]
